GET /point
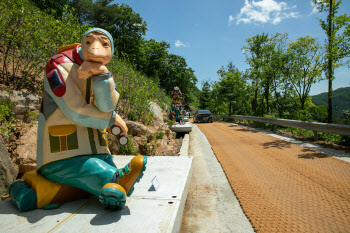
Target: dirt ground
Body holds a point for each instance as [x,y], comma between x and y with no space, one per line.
[282,187]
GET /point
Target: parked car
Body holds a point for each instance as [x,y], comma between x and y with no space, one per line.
[203,116]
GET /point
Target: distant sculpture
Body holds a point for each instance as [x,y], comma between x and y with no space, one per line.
[176,106]
[78,104]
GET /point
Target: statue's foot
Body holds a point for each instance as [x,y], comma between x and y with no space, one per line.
[131,173]
[23,196]
[113,196]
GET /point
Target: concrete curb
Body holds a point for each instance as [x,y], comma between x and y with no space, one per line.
[186,128]
[183,152]
[185,145]
[178,216]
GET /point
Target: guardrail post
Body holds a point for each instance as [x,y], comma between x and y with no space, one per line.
[315,135]
[275,128]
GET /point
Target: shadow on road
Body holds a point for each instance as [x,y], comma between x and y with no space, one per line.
[247,130]
[312,155]
[280,144]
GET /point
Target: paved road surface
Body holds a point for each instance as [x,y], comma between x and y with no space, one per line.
[211,205]
[281,187]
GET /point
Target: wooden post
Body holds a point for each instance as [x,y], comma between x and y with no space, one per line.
[315,136]
[275,128]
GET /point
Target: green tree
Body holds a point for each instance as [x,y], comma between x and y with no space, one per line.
[177,73]
[231,90]
[217,105]
[204,98]
[276,70]
[234,90]
[306,61]
[255,52]
[126,26]
[337,28]
[153,59]
[128,30]
[29,37]
[52,7]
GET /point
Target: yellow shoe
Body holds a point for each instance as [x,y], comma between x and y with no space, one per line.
[131,173]
[112,196]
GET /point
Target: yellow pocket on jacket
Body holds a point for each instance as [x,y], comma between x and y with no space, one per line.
[63,138]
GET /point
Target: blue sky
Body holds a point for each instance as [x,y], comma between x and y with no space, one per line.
[209,34]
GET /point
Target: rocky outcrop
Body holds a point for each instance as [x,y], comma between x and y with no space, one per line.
[155,139]
[156,110]
[137,129]
[24,102]
[26,150]
[8,172]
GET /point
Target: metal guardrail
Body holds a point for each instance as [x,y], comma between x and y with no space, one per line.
[314,126]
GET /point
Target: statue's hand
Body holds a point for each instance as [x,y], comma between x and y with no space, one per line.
[119,121]
[88,69]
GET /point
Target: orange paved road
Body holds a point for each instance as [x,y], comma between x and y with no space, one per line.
[282,187]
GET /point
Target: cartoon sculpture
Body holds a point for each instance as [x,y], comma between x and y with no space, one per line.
[176,106]
[78,104]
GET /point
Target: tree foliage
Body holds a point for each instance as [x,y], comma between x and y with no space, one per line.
[277,83]
[204,99]
[128,29]
[306,62]
[28,38]
[229,95]
[337,29]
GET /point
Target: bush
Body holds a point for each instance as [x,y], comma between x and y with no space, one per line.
[128,149]
[304,115]
[136,92]
[318,113]
[159,134]
[7,108]
[29,37]
[343,119]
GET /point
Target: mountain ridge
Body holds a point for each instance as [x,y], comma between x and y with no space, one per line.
[340,100]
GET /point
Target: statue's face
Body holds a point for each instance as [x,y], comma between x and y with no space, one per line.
[97,48]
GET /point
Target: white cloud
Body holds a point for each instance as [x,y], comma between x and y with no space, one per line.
[230,19]
[314,8]
[265,11]
[178,44]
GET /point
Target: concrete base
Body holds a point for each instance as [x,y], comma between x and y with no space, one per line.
[185,145]
[146,210]
[186,128]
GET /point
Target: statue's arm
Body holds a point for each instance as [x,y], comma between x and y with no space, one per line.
[105,91]
[70,100]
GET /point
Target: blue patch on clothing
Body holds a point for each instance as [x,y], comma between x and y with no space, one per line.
[115,87]
[54,80]
[49,105]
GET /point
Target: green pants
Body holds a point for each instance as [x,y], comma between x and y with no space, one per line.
[88,172]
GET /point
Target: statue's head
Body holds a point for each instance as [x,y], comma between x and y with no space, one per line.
[97,46]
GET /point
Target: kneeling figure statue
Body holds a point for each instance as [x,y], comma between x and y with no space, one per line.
[77,110]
